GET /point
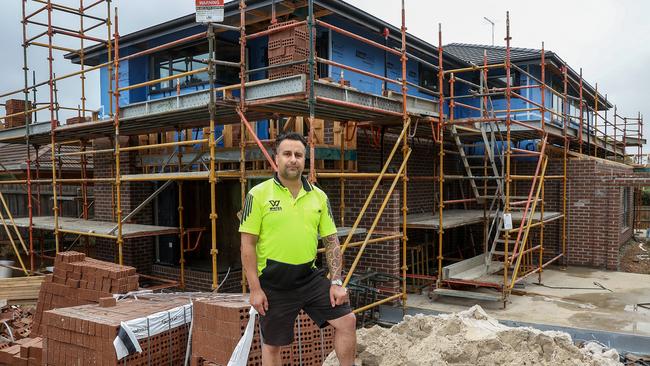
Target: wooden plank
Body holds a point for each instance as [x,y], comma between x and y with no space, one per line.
[340,133]
[249,136]
[289,125]
[227,136]
[153,139]
[20,288]
[337,131]
[299,126]
[319,131]
[273,130]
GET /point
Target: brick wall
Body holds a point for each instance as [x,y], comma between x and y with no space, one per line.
[196,280]
[137,252]
[594,211]
[594,220]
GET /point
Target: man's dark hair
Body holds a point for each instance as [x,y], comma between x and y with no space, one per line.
[290,136]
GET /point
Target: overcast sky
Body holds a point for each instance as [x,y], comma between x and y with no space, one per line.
[609,39]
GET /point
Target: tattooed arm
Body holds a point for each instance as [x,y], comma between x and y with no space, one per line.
[333,255]
[338,294]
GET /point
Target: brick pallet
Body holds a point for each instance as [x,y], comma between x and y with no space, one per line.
[78,280]
[24,352]
[77,120]
[83,335]
[288,46]
[220,321]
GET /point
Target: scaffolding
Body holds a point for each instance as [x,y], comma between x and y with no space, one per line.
[241,106]
[48,30]
[508,219]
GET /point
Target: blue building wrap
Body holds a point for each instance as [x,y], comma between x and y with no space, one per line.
[344,50]
[351,52]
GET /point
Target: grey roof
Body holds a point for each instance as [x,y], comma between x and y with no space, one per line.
[231,14]
[13,157]
[473,53]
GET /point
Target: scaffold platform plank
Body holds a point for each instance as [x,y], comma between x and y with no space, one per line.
[548,216]
[344,231]
[201,175]
[95,227]
[458,217]
[450,219]
[264,98]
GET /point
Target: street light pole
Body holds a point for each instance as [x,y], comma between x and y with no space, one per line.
[492,23]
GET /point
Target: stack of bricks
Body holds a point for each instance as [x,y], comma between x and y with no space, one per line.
[76,120]
[78,280]
[220,321]
[288,46]
[25,352]
[14,106]
[84,335]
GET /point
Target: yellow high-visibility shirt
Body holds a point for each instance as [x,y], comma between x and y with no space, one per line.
[287,230]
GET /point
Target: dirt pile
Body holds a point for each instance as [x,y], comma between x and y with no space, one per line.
[471,338]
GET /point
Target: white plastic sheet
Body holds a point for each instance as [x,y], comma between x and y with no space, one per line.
[151,325]
[239,356]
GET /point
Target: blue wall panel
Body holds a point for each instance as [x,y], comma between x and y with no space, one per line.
[138,73]
[123,80]
[350,52]
[103,93]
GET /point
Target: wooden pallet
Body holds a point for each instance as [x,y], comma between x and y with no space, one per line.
[20,289]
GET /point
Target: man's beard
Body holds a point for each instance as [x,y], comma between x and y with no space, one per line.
[291,173]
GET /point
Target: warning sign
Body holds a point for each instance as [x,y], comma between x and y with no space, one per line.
[209,11]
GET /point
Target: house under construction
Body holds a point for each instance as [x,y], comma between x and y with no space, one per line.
[452,165]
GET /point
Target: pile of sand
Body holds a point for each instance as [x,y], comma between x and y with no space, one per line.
[471,338]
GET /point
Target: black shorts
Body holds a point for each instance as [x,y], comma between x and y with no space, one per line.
[284,305]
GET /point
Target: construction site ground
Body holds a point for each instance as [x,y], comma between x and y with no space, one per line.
[574,297]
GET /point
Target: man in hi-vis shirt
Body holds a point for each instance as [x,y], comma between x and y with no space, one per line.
[280,223]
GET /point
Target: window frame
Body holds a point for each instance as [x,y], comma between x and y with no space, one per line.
[195,53]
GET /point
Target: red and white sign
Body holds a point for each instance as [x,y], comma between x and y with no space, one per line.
[209,11]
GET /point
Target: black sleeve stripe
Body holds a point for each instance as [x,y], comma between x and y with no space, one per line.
[248,207]
[329,209]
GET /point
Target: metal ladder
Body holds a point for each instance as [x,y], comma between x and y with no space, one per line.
[498,245]
[468,168]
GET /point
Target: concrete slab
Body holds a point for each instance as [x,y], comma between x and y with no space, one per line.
[575,302]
